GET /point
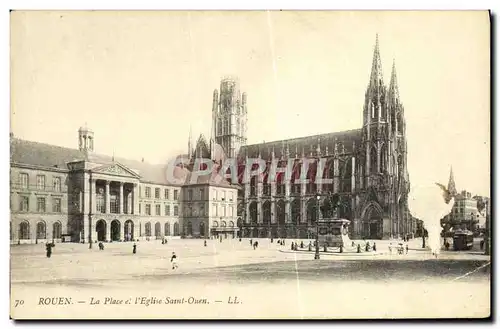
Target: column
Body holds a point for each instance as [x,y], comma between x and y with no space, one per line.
[108,231]
[120,210]
[93,229]
[129,202]
[135,198]
[93,196]
[107,198]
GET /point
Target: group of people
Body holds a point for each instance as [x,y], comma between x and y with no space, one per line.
[399,248]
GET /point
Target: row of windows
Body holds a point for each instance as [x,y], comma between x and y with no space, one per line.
[41,204]
[223,213]
[223,195]
[147,209]
[41,231]
[166,193]
[40,182]
[190,195]
[158,233]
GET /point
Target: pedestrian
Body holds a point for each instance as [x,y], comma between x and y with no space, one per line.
[48,248]
[301,244]
[374,246]
[390,248]
[293,247]
[359,248]
[134,249]
[481,244]
[251,242]
[407,248]
[101,246]
[205,243]
[271,240]
[173,260]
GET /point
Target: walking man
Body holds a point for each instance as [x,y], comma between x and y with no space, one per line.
[173,260]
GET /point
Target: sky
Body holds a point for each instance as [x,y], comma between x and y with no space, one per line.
[140,80]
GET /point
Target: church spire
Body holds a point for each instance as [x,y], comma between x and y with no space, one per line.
[451,183]
[393,85]
[376,78]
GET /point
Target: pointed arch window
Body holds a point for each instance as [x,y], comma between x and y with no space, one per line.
[383,158]
[400,122]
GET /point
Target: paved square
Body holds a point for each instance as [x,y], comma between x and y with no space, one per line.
[230,279]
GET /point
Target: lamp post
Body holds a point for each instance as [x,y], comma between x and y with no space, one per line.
[316,254]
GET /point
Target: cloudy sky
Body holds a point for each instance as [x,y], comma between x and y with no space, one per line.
[141,79]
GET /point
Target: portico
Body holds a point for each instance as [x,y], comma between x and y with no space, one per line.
[114,203]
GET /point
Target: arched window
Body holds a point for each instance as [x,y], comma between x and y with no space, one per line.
[253,212]
[202,229]
[167,229]
[56,230]
[383,158]
[266,212]
[157,229]
[41,232]
[148,229]
[24,231]
[189,229]
[176,229]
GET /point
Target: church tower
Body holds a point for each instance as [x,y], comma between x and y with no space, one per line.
[376,133]
[229,117]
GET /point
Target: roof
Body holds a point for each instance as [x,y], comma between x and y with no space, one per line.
[345,140]
[47,155]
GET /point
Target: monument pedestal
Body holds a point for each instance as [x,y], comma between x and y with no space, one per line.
[334,233]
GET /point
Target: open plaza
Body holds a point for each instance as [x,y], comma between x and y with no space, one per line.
[230,278]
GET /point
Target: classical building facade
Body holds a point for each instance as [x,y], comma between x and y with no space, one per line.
[367,167]
[76,195]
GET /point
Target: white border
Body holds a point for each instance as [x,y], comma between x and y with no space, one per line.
[156,5]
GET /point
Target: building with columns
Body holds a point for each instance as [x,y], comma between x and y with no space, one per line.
[367,166]
[76,195]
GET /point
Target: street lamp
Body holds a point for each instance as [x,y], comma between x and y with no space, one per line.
[316,254]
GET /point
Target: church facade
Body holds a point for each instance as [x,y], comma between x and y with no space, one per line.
[77,195]
[366,167]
